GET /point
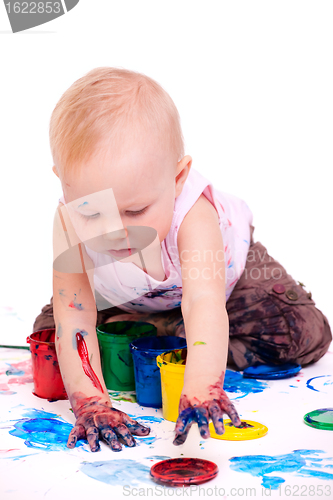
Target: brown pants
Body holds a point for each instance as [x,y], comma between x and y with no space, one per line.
[272,319]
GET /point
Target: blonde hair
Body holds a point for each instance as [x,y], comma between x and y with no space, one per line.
[100,104]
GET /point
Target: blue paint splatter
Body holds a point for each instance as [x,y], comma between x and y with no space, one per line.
[34,413]
[234,382]
[118,472]
[299,461]
[157,457]
[42,431]
[272,482]
[146,418]
[82,204]
[75,304]
[147,440]
[17,457]
[14,371]
[316,385]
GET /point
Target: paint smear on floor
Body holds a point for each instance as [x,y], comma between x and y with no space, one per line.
[124,472]
[234,382]
[303,463]
[322,383]
[42,431]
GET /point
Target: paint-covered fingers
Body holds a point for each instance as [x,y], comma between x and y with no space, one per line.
[123,433]
[228,408]
[183,425]
[111,439]
[78,432]
[102,422]
[202,417]
[92,434]
[134,426]
[216,415]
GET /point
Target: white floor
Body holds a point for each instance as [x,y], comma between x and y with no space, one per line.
[36,464]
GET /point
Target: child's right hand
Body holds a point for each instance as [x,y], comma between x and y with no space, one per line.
[201,400]
[96,419]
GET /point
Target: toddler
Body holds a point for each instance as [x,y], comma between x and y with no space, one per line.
[139,234]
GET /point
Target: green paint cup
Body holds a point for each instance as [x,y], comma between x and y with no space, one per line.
[116,358]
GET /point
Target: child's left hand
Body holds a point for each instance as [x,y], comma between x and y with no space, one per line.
[201,400]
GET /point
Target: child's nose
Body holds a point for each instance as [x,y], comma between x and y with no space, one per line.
[115,236]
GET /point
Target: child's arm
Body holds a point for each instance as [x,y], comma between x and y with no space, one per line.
[201,253]
[77,349]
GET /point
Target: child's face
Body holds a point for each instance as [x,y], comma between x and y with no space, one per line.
[118,190]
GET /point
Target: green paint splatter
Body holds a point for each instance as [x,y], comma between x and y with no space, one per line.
[128,397]
[198,343]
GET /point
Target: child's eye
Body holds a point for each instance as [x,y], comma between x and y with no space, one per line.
[87,217]
[94,216]
[134,214]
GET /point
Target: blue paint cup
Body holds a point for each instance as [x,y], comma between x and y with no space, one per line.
[146,372]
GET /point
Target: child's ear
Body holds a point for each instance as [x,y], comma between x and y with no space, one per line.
[54,168]
[183,169]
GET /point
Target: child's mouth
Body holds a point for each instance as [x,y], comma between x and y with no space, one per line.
[125,252]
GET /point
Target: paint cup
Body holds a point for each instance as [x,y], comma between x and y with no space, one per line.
[172,368]
[116,358]
[146,372]
[48,383]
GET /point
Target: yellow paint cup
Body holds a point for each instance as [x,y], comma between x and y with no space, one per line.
[172,368]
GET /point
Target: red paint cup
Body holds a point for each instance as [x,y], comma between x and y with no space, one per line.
[45,367]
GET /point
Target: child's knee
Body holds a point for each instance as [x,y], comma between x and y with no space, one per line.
[315,336]
[45,319]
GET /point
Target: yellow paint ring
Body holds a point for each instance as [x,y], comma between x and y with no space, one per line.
[233,433]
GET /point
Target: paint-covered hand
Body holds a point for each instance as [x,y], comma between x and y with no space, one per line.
[96,419]
[200,402]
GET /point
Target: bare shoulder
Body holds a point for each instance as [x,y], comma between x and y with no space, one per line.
[201,212]
[201,253]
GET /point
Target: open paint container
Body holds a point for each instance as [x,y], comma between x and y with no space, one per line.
[116,358]
[48,383]
[146,372]
[172,368]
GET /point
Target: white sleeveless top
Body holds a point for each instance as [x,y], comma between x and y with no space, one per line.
[128,287]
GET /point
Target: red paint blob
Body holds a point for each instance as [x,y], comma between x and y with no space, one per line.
[83,353]
[179,471]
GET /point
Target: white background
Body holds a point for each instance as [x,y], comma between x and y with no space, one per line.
[252,81]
